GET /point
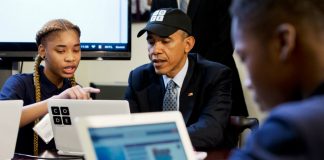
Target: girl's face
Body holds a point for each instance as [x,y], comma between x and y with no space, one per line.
[62,55]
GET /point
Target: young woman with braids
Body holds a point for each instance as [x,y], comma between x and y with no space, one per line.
[58,44]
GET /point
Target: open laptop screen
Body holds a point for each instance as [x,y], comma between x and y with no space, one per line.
[137,142]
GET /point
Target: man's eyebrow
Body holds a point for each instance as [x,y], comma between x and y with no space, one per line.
[165,37]
[149,37]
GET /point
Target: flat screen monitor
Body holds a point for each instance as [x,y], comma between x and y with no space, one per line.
[105,26]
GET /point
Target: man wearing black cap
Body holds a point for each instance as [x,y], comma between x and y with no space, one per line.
[211,24]
[176,80]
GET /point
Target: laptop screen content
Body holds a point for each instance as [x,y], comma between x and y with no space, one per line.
[138,142]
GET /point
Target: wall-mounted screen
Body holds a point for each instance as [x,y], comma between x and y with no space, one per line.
[105,26]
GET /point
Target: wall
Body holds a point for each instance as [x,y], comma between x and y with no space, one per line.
[253,109]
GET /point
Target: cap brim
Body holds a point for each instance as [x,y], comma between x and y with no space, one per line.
[158,29]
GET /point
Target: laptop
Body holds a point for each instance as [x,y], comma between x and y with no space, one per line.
[150,136]
[9,123]
[63,111]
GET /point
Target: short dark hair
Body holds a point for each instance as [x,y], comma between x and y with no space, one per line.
[262,16]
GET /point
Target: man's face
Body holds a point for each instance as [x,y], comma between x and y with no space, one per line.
[268,78]
[169,54]
[62,52]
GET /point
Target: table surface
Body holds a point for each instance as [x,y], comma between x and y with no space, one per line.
[211,155]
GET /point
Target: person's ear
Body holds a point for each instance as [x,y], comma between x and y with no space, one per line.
[287,38]
[42,51]
[189,43]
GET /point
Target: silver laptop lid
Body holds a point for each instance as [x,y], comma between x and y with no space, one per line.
[63,111]
[9,123]
[151,136]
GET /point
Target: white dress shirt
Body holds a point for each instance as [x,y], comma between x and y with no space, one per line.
[178,79]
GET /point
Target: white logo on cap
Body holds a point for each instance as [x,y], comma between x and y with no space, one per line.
[158,15]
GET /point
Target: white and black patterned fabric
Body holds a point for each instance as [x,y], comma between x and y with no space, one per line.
[170,97]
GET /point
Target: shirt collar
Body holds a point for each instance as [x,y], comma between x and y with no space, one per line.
[48,86]
[179,78]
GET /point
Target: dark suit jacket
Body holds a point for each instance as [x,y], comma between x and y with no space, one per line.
[293,131]
[205,111]
[211,23]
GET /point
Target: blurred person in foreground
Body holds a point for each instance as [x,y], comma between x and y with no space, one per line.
[281,44]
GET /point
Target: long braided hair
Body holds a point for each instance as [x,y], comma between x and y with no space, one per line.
[52,26]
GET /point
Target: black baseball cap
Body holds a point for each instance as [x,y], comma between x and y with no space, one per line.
[166,21]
